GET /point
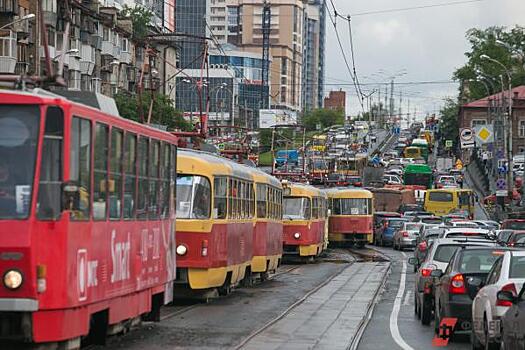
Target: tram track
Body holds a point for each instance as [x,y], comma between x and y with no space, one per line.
[368,254]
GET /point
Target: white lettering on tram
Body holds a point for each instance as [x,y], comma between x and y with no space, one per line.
[120,255]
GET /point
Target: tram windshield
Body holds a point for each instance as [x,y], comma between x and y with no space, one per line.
[352,206]
[296,208]
[193,197]
[19,127]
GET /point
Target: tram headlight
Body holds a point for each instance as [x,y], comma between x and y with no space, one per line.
[13,279]
[297,235]
[182,250]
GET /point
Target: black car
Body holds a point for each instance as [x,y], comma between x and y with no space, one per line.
[409,207]
[513,322]
[456,287]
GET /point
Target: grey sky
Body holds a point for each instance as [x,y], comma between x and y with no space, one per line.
[428,43]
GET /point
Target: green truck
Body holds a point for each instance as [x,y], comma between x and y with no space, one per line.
[418,174]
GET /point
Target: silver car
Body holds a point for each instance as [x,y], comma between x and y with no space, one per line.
[406,236]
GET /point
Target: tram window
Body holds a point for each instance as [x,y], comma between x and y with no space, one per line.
[261,200]
[352,206]
[100,172]
[164,192]
[220,201]
[48,205]
[314,208]
[154,185]
[193,197]
[173,176]
[80,165]
[142,195]
[115,182]
[130,170]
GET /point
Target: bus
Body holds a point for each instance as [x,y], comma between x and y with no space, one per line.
[441,202]
[88,216]
[418,174]
[423,145]
[350,218]
[413,152]
[304,216]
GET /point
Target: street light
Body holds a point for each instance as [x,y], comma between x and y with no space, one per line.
[68,52]
[24,18]
[510,48]
[509,120]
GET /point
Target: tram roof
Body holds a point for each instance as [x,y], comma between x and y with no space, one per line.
[197,162]
[302,190]
[349,193]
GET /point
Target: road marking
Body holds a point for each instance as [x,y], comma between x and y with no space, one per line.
[394,327]
[408,297]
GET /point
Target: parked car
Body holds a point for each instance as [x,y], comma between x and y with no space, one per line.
[390,226]
[439,255]
[513,322]
[406,236]
[457,285]
[507,274]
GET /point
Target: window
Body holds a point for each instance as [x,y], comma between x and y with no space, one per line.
[440,197]
[351,206]
[517,267]
[284,66]
[115,182]
[193,197]
[154,181]
[130,182]
[142,196]
[221,198]
[49,192]
[164,193]
[444,252]
[297,208]
[262,200]
[522,128]
[100,172]
[478,260]
[80,165]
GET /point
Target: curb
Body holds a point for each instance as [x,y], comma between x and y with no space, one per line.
[354,343]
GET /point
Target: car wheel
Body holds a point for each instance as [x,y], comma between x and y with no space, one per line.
[489,343]
[426,312]
[474,341]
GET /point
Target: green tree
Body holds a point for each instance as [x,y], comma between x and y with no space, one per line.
[323,117]
[483,42]
[163,112]
[449,127]
[140,17]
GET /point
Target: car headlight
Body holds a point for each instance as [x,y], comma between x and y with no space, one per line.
[182,250]
[297,235]
[13,279]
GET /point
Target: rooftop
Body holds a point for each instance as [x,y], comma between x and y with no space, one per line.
[517,92]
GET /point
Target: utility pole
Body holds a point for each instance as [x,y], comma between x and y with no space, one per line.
[408,113]
[386,104]
[391,99]
[400,106]
[266,25]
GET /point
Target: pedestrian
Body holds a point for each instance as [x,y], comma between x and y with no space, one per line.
[460,181]
[485,157]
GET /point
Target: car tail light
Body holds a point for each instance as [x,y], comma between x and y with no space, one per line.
[41,284]
[457,285]
[204,249]
[510,288]
[404,233]
[422,246]
[426,272]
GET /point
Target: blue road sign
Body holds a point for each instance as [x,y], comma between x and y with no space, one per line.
[500,154]
[501,184]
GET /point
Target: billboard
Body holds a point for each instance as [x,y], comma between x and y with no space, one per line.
[268,118]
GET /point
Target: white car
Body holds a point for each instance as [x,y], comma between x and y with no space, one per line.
[392,179]
[472,232]
[462,224]
[508,273]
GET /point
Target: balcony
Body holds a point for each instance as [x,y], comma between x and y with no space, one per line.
[87,60]
[125,57]
[7,52]
[107,48]
[21,68]
[116,52]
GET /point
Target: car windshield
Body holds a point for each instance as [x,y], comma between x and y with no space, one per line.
[396,223]
[433,232]
[19,126]
[351,206]
[193,197]
[444,252]
[440,197]
[517,267]
[296,208]
[412,227]
[478,260]
[515,225]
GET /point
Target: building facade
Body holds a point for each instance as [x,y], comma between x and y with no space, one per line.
[335,100]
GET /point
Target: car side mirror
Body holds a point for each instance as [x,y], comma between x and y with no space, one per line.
[70,196]
[436,273]
[507,295]
[412,261]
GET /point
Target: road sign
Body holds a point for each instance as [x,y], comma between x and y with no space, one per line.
[448,143]
[466,134]
[501,184]
[502,193]
[467,144]
[484,134]
[500,154]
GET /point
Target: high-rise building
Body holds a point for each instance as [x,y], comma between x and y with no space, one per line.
[190,18]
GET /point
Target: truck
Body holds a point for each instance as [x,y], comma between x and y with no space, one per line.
[389,199]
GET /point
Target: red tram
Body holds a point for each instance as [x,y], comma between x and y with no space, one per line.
[87,220]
